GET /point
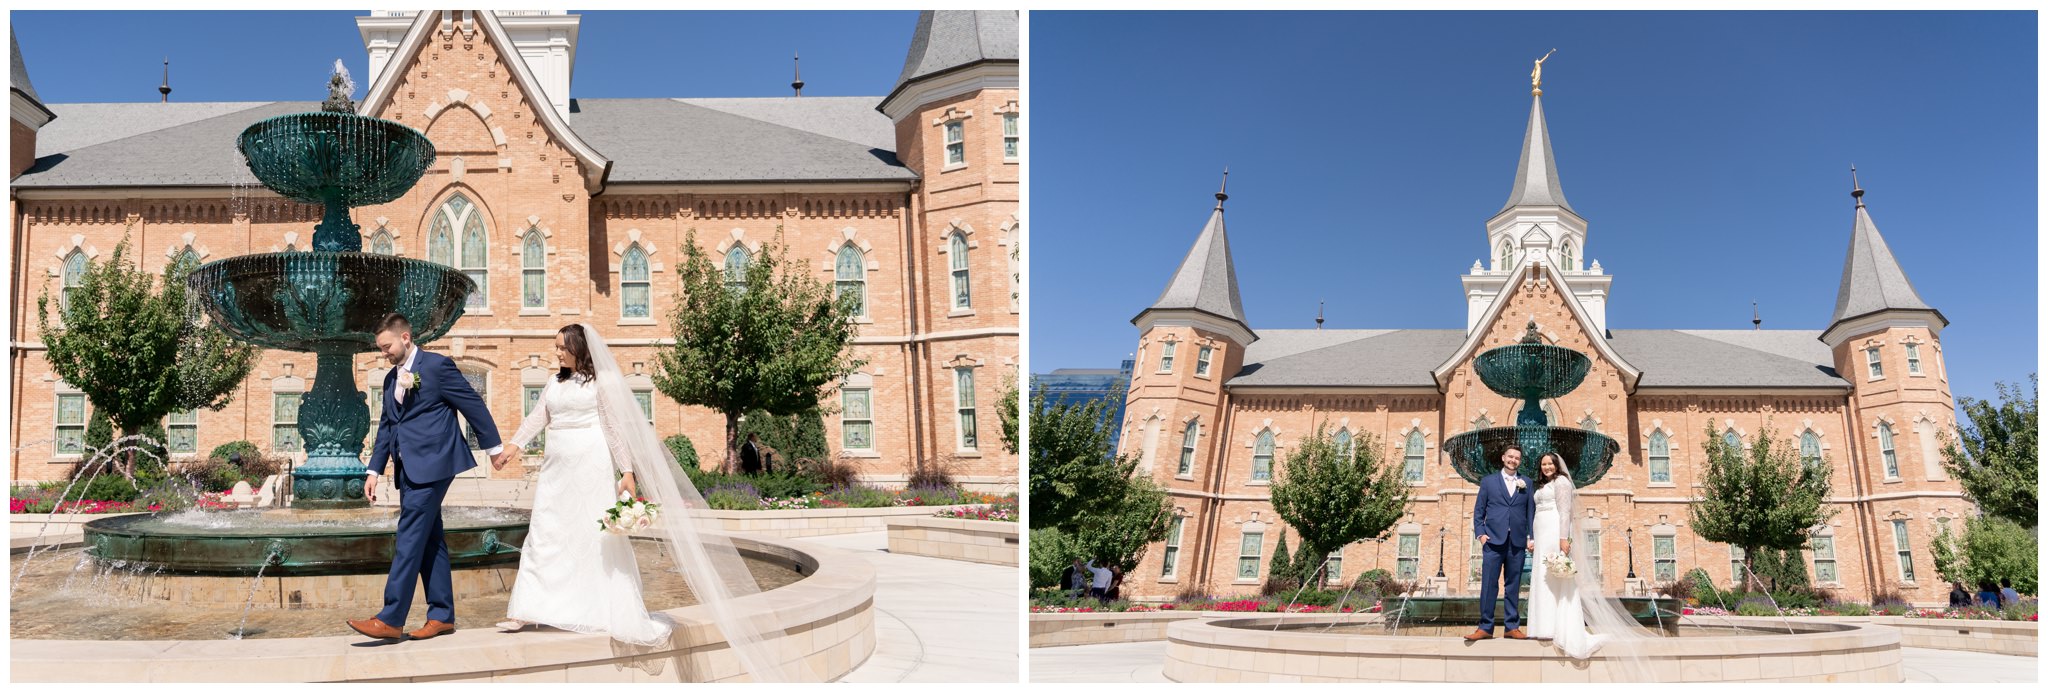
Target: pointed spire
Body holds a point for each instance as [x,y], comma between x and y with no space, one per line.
[1207,280]
[1858,184]
[798,85]
[1755,318]
[1872,281]
[1319,315]
[166,88]
[1220,194]
[1536,182]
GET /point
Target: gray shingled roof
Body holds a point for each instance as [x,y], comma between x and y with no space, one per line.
[950,39]
[1871,278]
[1206,280]
[1536,173]
[649,140]
[1668,358]
[670,140]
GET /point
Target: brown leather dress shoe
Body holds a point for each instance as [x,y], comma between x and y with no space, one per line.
[433,628]
[1517,634]
[1478,635]
[371,627]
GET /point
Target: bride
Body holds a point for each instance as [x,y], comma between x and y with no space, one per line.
[1574,612]
[575,576]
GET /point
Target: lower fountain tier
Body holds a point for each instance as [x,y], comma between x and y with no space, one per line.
[362,592]
[1476,454]
[295,543]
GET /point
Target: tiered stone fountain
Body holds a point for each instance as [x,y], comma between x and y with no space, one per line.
[328,302]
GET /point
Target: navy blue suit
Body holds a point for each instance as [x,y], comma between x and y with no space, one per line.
[422,438]
[1504,519]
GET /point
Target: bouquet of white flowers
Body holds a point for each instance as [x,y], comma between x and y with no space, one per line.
[629,515]
[1560,565]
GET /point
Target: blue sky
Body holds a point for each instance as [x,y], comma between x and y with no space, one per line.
[286,55]
[1710,153]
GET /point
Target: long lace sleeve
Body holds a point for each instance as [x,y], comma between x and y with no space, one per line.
[536,421]
[614,440]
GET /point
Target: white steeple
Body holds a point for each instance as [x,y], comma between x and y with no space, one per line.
[1536,225]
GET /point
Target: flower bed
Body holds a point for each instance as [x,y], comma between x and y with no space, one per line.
[1056,602]
[744,496]
[1006,512]
[2023,611]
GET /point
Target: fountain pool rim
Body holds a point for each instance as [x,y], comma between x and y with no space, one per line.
[828,618]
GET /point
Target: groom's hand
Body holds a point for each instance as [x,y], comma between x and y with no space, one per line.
[1483,538]
[370,487]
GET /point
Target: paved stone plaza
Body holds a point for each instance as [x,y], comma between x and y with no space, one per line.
[1142,662]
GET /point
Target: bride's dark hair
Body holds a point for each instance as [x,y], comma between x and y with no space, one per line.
[572,337]
[1557,468]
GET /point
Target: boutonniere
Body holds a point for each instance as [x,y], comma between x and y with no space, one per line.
[414,383]
[1520,484]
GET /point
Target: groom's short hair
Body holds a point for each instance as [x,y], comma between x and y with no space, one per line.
[393,322]
[1517,447]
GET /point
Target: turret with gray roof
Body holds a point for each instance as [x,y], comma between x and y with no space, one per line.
[1872,281]
[1206,282]
[953,40]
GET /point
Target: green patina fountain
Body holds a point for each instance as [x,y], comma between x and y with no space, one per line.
[1532,371]
[328,302]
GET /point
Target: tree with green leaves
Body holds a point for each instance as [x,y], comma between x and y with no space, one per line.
[1995,548]
[1082,488]
[1334,500]
[1996,456]
[1947,562]
[1762,498]
[799,436]
[139,346]
[763,337]
[1007,410]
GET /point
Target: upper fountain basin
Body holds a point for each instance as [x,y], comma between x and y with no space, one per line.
[328,302]
[336,158]
[1531,371]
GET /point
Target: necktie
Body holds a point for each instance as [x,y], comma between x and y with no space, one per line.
[404,379]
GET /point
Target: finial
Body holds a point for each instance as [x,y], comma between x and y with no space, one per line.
[1858,192]
[1755,318]
[1532,337]
[166,88]
[798,85]
[1220,196]
[1319,315]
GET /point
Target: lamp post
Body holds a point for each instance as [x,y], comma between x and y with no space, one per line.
[1440,532]
[1630,534]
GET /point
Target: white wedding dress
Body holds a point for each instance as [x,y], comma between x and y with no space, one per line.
[1555,612]
[572,575]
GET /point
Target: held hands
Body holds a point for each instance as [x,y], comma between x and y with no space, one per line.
[504,457]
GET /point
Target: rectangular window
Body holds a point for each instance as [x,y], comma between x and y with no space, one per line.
[71,424]
[1166,357]
[1478,559]
[1262,466]
[1009,137]
[856,419]
[1408,557]
[1592,552]
[1172,565]
[645,398]
[1824,560]
[963,394]
[1248,555]
[1333,568]
[1202,362]
[1411,462]
[1913,359]
[1876,367]
[1905,550]
[1660,459]
[956,143]
[1664,551]
[183,430]
[284,422]
[530,399]
[1735,567]
[1187,449]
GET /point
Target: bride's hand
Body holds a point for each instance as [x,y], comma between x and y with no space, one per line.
[1564,546]
[627,487]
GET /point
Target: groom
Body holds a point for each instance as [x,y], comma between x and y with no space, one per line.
[1500,518]
[418,434]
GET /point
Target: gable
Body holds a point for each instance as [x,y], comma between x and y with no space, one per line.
[451,57]
[1538,292]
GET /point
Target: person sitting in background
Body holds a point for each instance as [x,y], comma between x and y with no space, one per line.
[1987,594]
[1075,579]
[1957,596]
[2007,596]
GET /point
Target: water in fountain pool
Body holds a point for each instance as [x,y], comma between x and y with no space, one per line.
[44,609]
[275,522]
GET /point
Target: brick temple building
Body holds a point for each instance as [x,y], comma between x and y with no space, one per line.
[1215,405]
[569,210]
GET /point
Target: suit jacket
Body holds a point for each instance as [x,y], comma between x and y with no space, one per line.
[1503,518]
[422,431]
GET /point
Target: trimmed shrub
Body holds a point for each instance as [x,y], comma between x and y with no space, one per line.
[734,496]
[683,450]
[248,450]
